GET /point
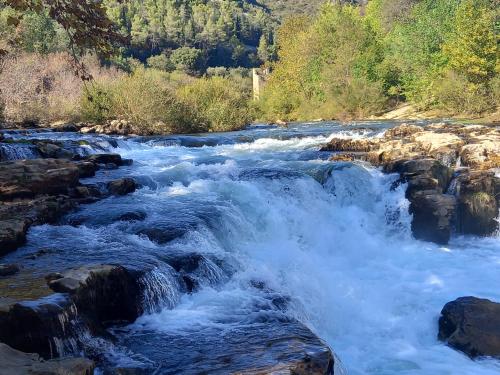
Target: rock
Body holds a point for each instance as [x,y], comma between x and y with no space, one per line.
[269,347]
[281,123]
[422,174]
[86,193]
[471,325]
[8,269]
[103,293]
[39,326]
[15,362]
[403,130]
[352,145]
[87,169]
[53,150]
[132,216]
[478,203]
[483,152]
[109,166]
[65,127]
[432,216]
[121,186]
[87,130]
[163,234]
[17,216]
[28,178]
[12,234]
[105,159]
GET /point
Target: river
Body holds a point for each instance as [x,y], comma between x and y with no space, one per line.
[264,205]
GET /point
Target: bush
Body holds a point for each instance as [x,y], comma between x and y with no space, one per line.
[217,104]
[144,98]
[456,95]
[96,102]
[36,88]
[358,99]
[160,62]
[218,71]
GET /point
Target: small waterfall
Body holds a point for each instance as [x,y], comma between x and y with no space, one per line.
[208,273]
[18,151]
[161,289]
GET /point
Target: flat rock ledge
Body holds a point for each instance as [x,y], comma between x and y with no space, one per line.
[14,362]
[471,325]
[449,169]
[40,191]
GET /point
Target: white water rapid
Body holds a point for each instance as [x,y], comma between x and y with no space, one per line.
[331,236]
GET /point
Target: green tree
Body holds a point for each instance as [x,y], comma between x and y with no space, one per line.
[472,48]
[188,59]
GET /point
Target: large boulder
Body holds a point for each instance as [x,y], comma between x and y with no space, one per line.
[432,216]
[14,362]
[478,203]
[471,325]
[103,293]
[28,178]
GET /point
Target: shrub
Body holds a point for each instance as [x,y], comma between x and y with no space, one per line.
[456,95]
[160,62]
[145,99]
[217,104]
[218,71]
[96,102]
[37,88]
[360,98]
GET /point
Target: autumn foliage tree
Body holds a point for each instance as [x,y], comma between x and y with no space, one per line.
[85,22]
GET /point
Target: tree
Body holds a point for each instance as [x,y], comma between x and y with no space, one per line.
[263,50]
[472,49]
[187,59]
[85,22]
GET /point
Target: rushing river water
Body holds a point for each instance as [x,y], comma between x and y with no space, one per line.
[265,205]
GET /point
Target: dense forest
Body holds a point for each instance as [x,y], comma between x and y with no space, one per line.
[332,60]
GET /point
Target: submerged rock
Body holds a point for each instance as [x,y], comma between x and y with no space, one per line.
[9,269]
[14,362]
[272,347]
[471,325]
[122,186]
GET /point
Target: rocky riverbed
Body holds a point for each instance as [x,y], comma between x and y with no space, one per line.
[161,264]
